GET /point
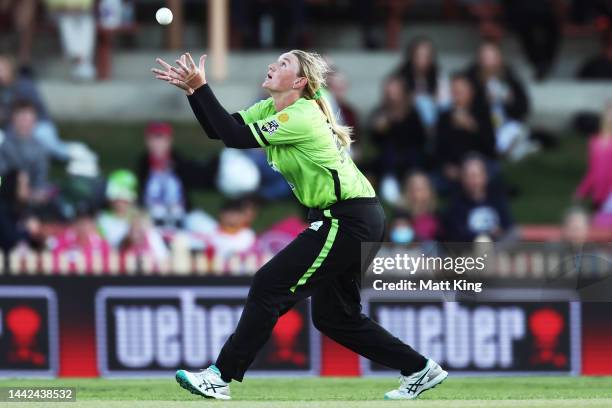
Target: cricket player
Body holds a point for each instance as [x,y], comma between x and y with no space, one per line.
[298,131]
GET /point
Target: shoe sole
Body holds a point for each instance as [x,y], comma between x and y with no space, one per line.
[428,386]
[184,382]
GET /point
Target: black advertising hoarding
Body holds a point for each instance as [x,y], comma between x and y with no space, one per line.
[28,331]
[144,331]
[513,337]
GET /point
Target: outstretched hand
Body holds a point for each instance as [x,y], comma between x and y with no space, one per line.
[187,76]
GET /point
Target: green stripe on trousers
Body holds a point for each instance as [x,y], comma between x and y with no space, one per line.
[331,236]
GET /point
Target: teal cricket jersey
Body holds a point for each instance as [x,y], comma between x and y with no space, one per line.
[300,144]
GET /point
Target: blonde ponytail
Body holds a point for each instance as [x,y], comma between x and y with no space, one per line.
[315,69]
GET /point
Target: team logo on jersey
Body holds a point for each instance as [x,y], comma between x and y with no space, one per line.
[316,225]
[270,127]
[283,117]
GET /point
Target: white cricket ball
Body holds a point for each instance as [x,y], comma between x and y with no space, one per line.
[164,16]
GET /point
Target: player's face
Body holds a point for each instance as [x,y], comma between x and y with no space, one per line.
[282,74]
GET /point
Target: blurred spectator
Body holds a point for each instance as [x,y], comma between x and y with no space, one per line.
[20,151]
[480,209]
[575,228]
[77,26]
[338,85]
[600,66]
[167,179]
[603,218]
[423,80]
[597,183]
[272,184]
[497,87]
[466,127]
[121,193]
[80,239]
[22,15]
[142,239]
[397,130]
[269,24]
[15,224]
[416,219]
[234,234]
[537,26]
[15,88]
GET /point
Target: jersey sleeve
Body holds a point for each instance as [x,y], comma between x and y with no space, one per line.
[287,127]
[255,112]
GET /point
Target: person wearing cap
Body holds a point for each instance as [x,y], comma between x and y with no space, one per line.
[121,193]
[166,178]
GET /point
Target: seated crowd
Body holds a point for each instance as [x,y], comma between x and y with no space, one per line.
[437,143]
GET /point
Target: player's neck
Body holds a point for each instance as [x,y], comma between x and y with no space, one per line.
[284,99]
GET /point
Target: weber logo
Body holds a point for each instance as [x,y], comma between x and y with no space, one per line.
[148,331]
[504,337]
[28,331]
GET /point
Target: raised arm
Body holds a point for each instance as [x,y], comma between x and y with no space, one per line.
[214,119]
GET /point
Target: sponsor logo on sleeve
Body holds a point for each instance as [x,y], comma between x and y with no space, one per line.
[270,127]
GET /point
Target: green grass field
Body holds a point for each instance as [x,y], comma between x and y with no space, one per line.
[498,392]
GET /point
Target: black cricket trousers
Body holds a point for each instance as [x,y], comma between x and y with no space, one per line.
[324,262]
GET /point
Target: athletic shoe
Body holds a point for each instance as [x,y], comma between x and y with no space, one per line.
[206,383]
[414,384]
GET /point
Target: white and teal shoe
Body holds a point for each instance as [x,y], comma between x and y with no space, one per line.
[413,385]
[206,383]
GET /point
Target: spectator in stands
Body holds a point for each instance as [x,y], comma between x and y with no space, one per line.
[423,80]
[575,228]
[121,193]
[167,179]
[497,87]
[415,219]
[15,224]
[14,88]
[124,226]
[600,66]
[234,234]
[77,26]
[480,209]
[537,26]
[80,239]
[397,130]
[142,239]
[597,183]
[466,127]
[266,24]
[20,151]
[337,84]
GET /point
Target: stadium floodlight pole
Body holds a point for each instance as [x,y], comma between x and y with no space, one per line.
[218,11]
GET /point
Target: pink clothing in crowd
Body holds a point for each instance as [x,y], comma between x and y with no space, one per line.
[597,183]
[426,227]
[74,252]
